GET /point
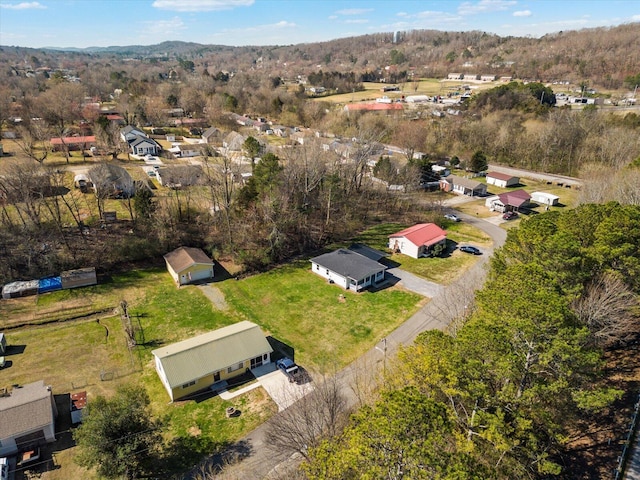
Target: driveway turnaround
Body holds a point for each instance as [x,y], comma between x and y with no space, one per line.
[278,386]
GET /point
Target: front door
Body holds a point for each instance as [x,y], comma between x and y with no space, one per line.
[216,377]
[256,362]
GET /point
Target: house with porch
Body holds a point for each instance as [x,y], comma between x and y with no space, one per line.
[209,360]
[509,201]
[349,269]
[463,186]
[27,418]
[417,241]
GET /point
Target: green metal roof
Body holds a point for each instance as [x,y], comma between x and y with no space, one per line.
[199,356]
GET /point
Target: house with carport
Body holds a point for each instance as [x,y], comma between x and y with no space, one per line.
[463,186]
[417,241]
[209,360]
[188,265]
[349,269]
[27,418]
[502,180]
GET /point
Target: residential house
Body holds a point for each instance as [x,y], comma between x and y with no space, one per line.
[73,143]
[144,146]
[349,269]
[463,186]
[234,141]
[488,78]
[508,201]
[179,176]
[454,76]
[185,150]
[130,133]
[111,181]
[471,76]
[187,265]
[209,360]
[374,107]
[417,241]
[502,180]
[27,418]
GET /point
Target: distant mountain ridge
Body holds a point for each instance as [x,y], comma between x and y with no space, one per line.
[603,56]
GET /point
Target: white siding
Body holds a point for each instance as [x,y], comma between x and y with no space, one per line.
[329,275]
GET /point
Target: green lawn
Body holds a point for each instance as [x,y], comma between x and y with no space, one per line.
[302,310]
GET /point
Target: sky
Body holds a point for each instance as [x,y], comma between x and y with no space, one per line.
[102,23]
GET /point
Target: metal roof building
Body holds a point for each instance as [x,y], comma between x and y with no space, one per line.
[197,363]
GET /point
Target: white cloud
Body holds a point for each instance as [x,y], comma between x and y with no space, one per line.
[522,13]
[357,20]
[483,6]
[635,18]
[200,5]
[354,11]
[23,6]
[174,24]
[424,19]
[402,14]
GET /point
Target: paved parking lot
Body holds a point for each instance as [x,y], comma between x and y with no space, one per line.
[278,387]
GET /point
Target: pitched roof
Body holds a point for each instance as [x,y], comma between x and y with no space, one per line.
[73,140]
[349,264]
[370,253]
[500,176]
[139,140]
[516,198]
[422,234]
[465,182]
[184,257]
[374,106]
[27,408]
[199,356]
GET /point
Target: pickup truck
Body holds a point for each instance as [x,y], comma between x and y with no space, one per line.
[290,369]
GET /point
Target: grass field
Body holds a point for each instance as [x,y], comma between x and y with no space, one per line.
[290,303]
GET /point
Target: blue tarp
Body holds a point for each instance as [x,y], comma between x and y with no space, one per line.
[49,284]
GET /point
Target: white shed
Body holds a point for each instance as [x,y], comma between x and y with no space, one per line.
[544,198]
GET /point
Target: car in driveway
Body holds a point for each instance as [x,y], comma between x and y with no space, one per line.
[470,249]
[510,216]
[290,369]
[452,217]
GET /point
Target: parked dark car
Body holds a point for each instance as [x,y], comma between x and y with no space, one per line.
[290,369]
[510,216]
[470,249]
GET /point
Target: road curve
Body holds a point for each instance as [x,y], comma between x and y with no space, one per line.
[261,462]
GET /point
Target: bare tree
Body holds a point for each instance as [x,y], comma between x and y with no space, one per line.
[610,310]
[310,418]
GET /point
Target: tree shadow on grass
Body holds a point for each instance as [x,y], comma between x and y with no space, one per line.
[183,453]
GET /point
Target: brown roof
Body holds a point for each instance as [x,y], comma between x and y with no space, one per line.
[183,257]
[28,408]
[516,198]
[500,176]
[78,400]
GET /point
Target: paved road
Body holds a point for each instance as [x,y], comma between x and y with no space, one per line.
[261,462]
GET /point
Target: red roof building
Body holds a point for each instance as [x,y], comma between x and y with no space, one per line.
[417,241]
[374,107]
[73,143]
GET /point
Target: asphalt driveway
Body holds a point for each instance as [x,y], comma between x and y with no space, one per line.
[413,283]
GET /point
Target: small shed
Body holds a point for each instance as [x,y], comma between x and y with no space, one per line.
[81,277]
[544,198]
[78,402]
[187,265]
[20,289]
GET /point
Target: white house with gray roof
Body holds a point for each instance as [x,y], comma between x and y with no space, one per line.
[197,363]
[27,418]
[349,269]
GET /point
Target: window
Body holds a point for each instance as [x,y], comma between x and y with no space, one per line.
[317,267]
[190,384]
[235,367]
[327,271]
